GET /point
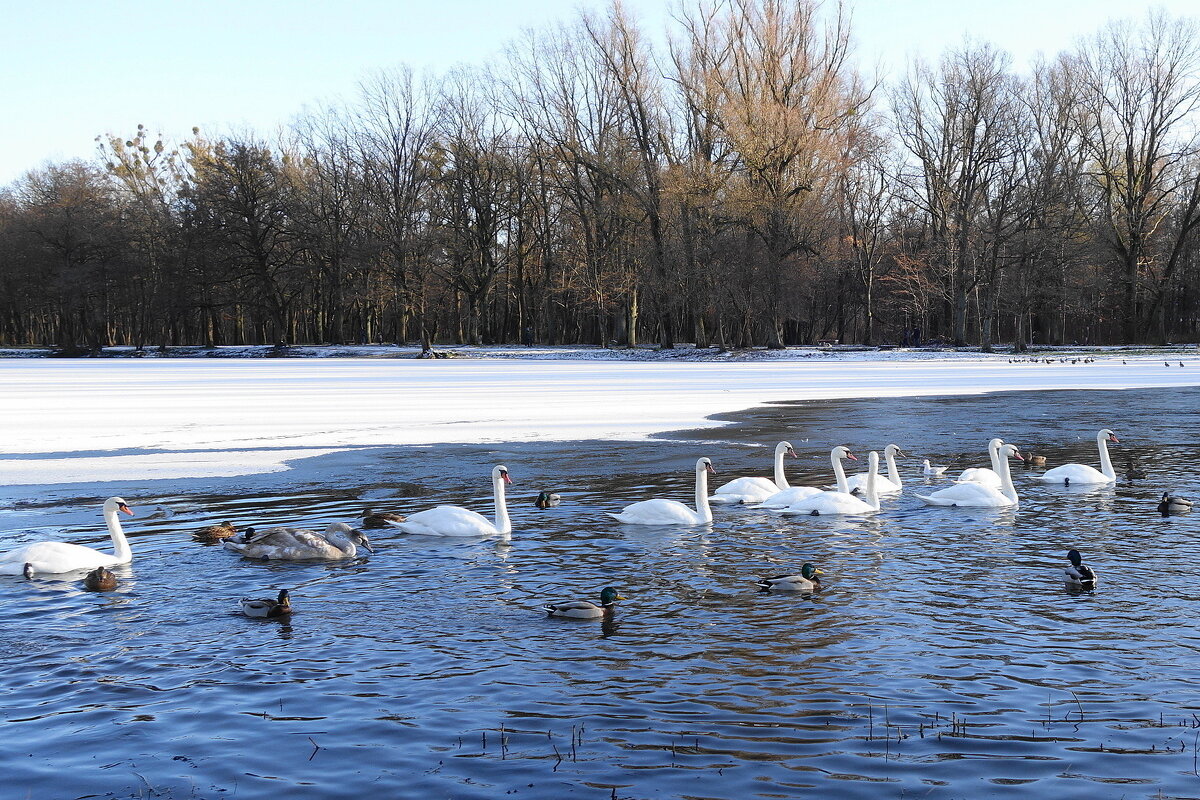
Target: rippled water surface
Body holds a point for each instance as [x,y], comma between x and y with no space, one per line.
[945,657]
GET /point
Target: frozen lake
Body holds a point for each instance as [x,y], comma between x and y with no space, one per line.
[944,659]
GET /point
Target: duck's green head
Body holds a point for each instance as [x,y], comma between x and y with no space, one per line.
[809,570]
[609,596]
[1074,557]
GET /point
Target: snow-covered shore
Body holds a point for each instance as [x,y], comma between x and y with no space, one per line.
[69,421]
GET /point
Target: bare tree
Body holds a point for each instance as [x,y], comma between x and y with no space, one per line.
[1139,96]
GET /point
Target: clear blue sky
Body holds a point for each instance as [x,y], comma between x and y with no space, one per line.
[72,69]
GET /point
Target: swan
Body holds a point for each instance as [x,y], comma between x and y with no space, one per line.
[215,533]
[889,485]
[672,512]
[1079,574]
[972,494]
[56,557]
[459,521]
[261,609]
[794,494]
[100,579]
[930,471]
[984,475]
[756,490]
[338,541]
[828,503]
[807,581]
[1072,474]
[585,609]
[375,520]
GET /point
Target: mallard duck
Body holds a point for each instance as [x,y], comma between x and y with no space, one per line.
[338,540]
[586,609]
[806,581]
[215,533]
[547,500]
[100,580]
[261,609]
[383,519]
[1078,574]
[1133,473]
[1173,504]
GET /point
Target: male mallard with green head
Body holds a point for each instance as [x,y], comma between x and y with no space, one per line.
[262,609]
[806,581]
[586,609]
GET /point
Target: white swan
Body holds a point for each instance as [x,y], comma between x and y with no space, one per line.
[828,503]
[889,485]
[337,541]
[56,557]
[755,490]
[794,494]
[976,495]
[672,512]
[930,471]
[984,475]
[459,521]
[1074,474]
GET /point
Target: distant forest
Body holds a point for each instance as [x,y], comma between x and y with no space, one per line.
[745,185]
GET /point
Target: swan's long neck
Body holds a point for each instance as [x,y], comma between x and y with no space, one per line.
[893,473]
[994,455]
[702,507]
[839,474]
[780,479]
[120,545]
[872,474]
[1105,462]
[503,523]
[1006,484]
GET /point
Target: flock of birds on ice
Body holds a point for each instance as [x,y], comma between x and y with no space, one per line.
[987,487]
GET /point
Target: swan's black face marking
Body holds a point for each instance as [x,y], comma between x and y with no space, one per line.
[791,452]
[504,475]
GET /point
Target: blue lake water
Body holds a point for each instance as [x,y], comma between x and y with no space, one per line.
[945,658]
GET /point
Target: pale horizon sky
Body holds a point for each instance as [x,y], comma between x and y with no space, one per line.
[73,69]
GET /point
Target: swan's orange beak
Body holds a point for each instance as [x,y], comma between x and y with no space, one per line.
[506,478]
[1112,437]
[792,453]
[125,508]
[851,456]
[1019,456]
[708,468]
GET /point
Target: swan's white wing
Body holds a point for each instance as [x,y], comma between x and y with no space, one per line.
[658,512]
[1074,473]
[830,503]
[790,496]
[448,521]
[981,475]
[967,494]
[883,485]
[53,558]
[745,490]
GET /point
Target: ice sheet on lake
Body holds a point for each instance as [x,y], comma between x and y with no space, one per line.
[98,420]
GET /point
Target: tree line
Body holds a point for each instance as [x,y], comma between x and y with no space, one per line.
[743,185]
